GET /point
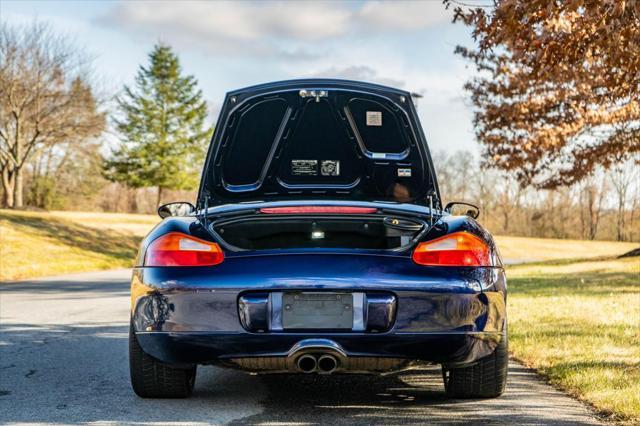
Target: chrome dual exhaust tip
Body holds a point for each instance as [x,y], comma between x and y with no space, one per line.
[307,363]
[325,364]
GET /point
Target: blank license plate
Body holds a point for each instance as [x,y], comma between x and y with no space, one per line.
[317,310]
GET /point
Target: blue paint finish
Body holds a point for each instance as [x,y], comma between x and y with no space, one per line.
[434,304]
[461,309]
[381,311]
[319,271]
[253,309]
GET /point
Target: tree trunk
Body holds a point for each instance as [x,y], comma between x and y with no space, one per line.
[620,222]
[7,186]
[159,197]
[505,221]
[133,200]
[17,189]
[17,170]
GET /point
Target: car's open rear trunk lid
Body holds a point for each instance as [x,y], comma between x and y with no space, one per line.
[318,139]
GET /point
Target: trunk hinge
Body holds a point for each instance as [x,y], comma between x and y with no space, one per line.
[430,210]
[204,217]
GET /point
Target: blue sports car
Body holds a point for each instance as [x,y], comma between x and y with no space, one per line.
[319,244]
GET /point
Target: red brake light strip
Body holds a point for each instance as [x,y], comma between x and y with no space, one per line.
[318,209]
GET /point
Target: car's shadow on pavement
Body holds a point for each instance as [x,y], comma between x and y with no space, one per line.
[411,397]
[95,284]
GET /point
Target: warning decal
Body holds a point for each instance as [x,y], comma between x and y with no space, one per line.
[304,167]
[374,118]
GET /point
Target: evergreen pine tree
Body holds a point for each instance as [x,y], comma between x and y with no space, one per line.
[161,121]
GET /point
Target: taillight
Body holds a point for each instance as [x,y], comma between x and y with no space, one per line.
[457,249]
[318,209]
[176,249]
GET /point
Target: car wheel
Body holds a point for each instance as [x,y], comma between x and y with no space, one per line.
[485,379]
[151,378]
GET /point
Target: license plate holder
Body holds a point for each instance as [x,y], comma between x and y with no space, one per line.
[317,310]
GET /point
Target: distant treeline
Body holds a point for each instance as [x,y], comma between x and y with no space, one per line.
[605,206]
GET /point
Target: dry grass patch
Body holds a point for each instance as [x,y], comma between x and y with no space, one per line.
[136,224]
[578,323]
[524,249]
[35,244]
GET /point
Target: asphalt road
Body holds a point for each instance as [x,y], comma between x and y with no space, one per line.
[63,359]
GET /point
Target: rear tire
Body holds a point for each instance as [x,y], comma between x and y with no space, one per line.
[151,378]
[485,379]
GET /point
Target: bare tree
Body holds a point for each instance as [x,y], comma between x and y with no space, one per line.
[509,199]
[622,176]
[592,200]
[45,99]
[633,208]
[484,183]
[605,206]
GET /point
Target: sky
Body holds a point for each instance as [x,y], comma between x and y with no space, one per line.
[229,45]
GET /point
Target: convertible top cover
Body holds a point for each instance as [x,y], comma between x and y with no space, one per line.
[318,139]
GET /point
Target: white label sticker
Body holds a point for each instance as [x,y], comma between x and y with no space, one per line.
[404,172]
[374,118]
[304,167]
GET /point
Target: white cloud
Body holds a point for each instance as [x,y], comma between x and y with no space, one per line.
[300,20]
[277,28]
[359,73]
[402,15]
[233,28]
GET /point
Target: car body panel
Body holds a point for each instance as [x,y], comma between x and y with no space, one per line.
[198,307]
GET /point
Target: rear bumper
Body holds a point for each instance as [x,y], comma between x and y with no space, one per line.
[441,315]
[207,348]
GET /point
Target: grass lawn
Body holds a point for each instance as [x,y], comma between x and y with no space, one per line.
[525,249]
[34,244]
[578,323]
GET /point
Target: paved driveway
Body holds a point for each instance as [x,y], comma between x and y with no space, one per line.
[63,359]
